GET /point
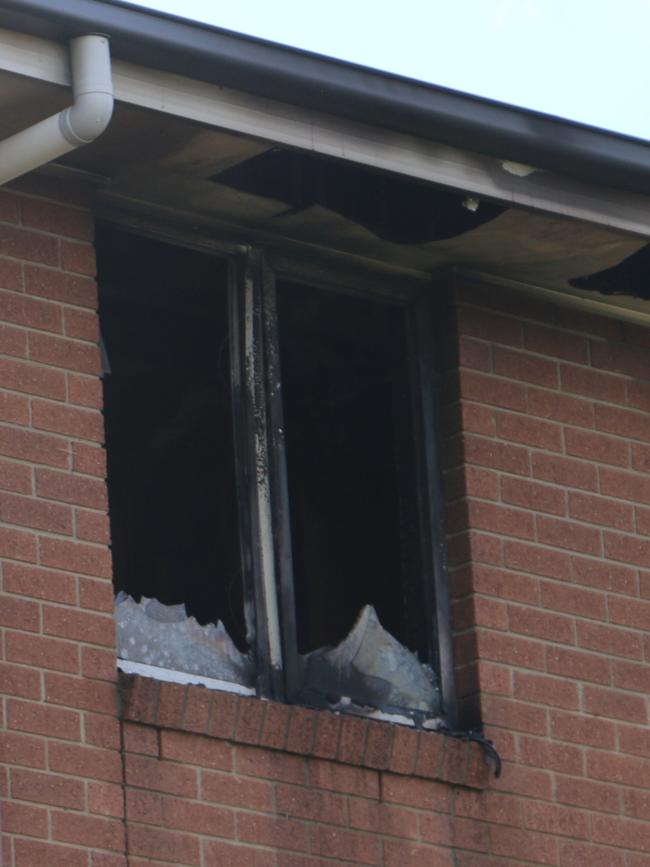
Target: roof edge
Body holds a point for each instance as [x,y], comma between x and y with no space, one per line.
[348,90]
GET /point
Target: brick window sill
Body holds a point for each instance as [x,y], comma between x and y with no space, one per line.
[301,731]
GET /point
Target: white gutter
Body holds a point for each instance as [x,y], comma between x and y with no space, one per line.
[77,125]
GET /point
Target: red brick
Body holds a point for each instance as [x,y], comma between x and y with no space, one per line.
[15,477]
[237,855]
[254,762]
[92,527]
[79,626]
[628,770]
[152,843]
[197,818]
[404,750]
[85,391]
[501,519]
[68,288]
[625,833]
[30,312]
[40,719]
[352,740]
[489,389]
[35,514]
[326,736]
[618,358]
[489,326]
[250,720]
[22,244]
[531,495]
[11,276]
[560,407]
[48,788]
[161,776]
[529,431]
[627,549]
[275,726]
[14,408]
[580,854]
[38,448]
[32,378]
[24,820]
[545,690]
[574,664]
[497,456]
[609,640]
[568,534]
[224,788]
[69,488]
[13,341]
[42,652]
[197,709]
[474,354]
[83,761]
[627,486]
[89,459]
[19,614]
[564,471]
[574,600]
[403,854]
[79,258]
[273,831]
[40,583]
[541,624]
[301,730]
[615,704]
[195,750]
[65,353]
[551,755]
[55,218]
[511,649]
[603,575]
[19,749]
[628,675]
[515,715]
[598,510]
[431,748]
[30,853]
[592,383]
[78,692]
[587,794]
[581,729]
[555,819]
[106,799]
[98,663]
[636,803]
[518,843]
[88,831]
[632,739]
[597,447]
[343,778]
[638,395]
[314,805]
[69,421]
[75,556]
[140,697]
[101,729]
[623,422]
[97,595]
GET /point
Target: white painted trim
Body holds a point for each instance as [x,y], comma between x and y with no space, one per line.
[170,676]
[315,131]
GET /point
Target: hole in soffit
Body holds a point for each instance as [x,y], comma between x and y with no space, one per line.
[629,277]
[394,208]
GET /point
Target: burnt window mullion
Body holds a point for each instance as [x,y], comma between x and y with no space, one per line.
[254,472]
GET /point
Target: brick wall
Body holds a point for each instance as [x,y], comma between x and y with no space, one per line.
[548,458]
[547,425]
[60,765]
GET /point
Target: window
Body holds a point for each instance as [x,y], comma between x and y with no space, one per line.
[273,482]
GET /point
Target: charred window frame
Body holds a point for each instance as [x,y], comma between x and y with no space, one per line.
[264,502]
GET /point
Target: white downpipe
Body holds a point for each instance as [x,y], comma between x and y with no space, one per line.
[77,125]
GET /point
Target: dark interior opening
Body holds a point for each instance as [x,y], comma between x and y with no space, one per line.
[167,398]
[629,277]
[395,208]
[351,464]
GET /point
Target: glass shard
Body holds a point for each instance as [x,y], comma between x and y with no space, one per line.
[371,667]
[163,635]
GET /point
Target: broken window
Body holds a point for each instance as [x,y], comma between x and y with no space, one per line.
[273,483]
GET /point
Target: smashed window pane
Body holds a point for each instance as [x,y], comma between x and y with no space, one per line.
[164,636]
[371,668]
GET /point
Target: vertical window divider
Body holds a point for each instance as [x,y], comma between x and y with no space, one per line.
[279,486]
[253,471]
[432,505]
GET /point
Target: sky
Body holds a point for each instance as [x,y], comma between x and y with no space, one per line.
[586,60]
